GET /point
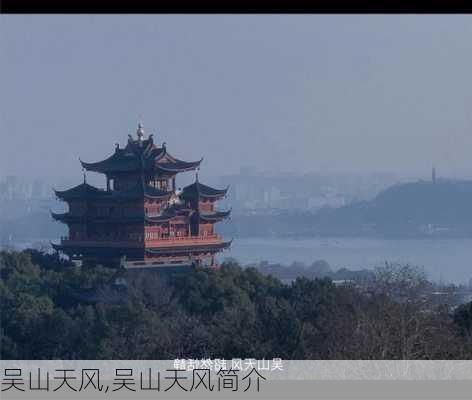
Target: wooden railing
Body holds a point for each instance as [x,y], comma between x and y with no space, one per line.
[161,242]
[183,240]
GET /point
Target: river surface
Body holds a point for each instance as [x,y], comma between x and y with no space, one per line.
[449,260]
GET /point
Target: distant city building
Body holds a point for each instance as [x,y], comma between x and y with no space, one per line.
[262,192]
[142,217]
[14,188]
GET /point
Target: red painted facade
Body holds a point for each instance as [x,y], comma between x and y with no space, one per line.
[140,216]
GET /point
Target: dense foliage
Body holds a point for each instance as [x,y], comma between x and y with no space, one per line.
[51,309]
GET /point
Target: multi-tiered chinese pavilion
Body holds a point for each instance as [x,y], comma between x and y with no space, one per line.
[141,217]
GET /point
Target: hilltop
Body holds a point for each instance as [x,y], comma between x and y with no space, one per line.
[423,208]
[410,209]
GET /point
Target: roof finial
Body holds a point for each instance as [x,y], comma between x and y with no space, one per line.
[140,131]
[85,177]
[196,175]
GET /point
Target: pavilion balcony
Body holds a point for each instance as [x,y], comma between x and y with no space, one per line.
[184,241]
[174,241]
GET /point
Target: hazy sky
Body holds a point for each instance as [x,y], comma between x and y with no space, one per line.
[289,93]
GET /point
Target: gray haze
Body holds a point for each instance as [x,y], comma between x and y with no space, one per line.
[289,93]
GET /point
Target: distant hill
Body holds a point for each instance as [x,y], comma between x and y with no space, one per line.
[417,209]
[423,208]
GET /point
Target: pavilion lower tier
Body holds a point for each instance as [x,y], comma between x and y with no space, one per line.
[170,251]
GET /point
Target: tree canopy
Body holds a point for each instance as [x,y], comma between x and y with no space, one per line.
[52,309]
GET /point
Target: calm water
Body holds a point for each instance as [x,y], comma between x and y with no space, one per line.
[447,259]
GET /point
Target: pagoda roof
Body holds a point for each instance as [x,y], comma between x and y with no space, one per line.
[198,189]
[166,215]
[141,155]
[176,165]
[215,216]
[152,192]
[86,191]
[68,218]
[80,191]
[63,217]
[175,210]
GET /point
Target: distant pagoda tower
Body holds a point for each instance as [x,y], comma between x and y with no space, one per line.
[433,174]
[140,217]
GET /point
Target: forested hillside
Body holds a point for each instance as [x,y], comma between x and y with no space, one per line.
[52,309]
